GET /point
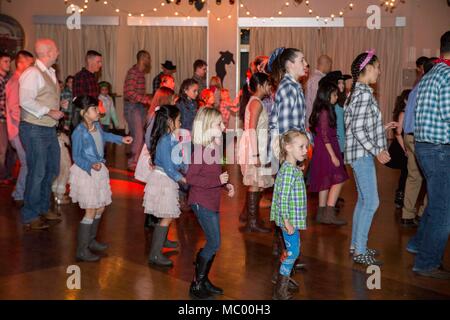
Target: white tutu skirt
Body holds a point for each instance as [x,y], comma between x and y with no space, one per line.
[90,191]
[161,196]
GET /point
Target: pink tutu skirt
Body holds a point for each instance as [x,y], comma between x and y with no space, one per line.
[90,191]
[161,196]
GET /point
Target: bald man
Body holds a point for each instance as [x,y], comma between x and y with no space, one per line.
[39,95]
[324,64]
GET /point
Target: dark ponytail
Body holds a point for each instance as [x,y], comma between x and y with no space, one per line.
[279,64]
[161,126]
[356,72]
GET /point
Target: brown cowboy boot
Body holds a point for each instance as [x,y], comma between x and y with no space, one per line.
[253,223]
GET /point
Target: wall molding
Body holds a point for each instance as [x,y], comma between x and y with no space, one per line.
[167,21]
[289,22]
[85,20]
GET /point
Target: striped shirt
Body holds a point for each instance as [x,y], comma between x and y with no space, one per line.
[364,129]
[134,87]
[289,197]
[432,112]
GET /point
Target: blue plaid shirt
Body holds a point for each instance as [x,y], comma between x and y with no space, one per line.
[289,111]
[433,106]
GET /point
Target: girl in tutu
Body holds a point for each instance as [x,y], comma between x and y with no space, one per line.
[89,177]
[161,192]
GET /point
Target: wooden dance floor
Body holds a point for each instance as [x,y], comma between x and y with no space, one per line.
[33,265]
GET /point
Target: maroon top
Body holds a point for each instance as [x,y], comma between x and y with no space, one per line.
[205,187]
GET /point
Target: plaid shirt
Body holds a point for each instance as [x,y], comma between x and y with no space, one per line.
[432,123]
[134,87]
[66,94]
[364,129]
[289,110]
[3,81]
[289,197]
[85,83]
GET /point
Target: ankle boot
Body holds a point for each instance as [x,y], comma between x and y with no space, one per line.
[83,252]
[208,284]
[198,288]
[319,216]
[253,223]
[93,244]
[155,256]
[329,217]
[281,291]
[293,286]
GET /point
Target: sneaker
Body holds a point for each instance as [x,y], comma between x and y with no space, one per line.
[367,260]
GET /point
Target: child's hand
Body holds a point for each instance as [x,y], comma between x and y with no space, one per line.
[230,188]
[289,228]
[391,125]
[224,178]
[64,104]
[127,140]
[183,180]
[97,166]
[383,157]
[336,162]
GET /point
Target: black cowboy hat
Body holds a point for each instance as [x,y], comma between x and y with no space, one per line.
[334,77]
[169,65]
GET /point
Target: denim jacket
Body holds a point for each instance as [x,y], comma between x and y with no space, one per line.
[84,151]
[163,157]
[188,110]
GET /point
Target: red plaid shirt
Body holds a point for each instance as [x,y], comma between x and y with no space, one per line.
[85,83]
[134,87]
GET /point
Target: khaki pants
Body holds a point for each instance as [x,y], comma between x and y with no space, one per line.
[413,182]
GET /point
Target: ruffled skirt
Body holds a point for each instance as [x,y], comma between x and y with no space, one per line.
[161,197]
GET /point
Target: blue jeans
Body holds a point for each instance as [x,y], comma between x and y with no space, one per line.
[3,150]
[135,114]
[432,235]
[43,157]
[292,243]
[20,185]
[210,223]
[367,203]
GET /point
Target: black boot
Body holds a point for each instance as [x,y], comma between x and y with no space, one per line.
[158,239]
[208,284]
[198,289]
[253,223]
[93,244]
[243,216]
[83,252]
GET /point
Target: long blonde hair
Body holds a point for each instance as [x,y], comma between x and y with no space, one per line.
[287,138]
[201,129]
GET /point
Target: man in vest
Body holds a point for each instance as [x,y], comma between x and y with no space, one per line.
[39,99]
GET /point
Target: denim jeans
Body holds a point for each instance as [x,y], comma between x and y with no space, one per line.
[43,157]
[135,114]
[20,185]
[292,243]
[432,235]
[210,223]
[3,150]
[367,203]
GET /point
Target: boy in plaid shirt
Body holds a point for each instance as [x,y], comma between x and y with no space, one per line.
[289,205]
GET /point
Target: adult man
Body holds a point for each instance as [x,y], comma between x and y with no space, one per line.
[135,99]
[39,98]
[23,60]
[432,135]
[85,81]
[168,68]
[324,64]
[200,68]
[5,65]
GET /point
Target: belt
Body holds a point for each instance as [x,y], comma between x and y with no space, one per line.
[410,134]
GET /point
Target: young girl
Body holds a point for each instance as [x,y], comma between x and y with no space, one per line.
[89,177]
[206,99]
[207,182]
[161,191]
[253,150]
[59,186]
[167,81]
[289,205]
[67,94]
[187,103]
[110,110]
[397,149]
[227,107]
[364,139]
[327,171]
[215,85]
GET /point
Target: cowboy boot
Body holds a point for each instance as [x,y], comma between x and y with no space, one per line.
[93,244]
[155,256]
[319,216]
[83,252]
[253,223]
[329,217]
[198,288]
[281,291]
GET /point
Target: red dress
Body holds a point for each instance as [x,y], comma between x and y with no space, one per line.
[323,173]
